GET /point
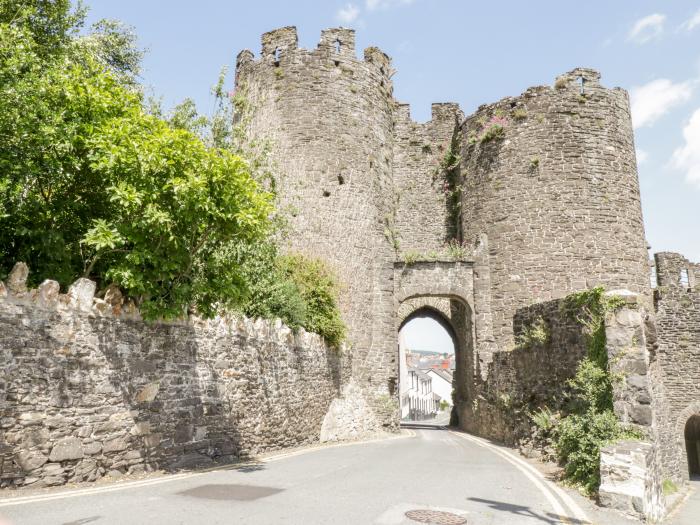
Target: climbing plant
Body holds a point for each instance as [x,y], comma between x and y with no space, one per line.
[588,422]
[449,174]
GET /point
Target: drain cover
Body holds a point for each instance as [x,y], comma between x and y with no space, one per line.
[435,517]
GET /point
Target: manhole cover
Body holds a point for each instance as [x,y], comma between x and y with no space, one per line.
[435,517]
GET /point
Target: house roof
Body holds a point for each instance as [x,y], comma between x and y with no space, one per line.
[444,374]
[419,373]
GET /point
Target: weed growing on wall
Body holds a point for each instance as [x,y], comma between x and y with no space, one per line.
[536,333]
[449,172]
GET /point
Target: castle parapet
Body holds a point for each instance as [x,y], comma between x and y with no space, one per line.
[339,41]
[279,41]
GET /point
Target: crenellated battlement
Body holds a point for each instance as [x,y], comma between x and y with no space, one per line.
[674,271]
[336,46]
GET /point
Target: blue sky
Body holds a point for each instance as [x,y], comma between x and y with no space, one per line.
[424,333]
[473,53]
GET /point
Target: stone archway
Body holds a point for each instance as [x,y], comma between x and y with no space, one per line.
[679,453]
[454,314]
[691,434]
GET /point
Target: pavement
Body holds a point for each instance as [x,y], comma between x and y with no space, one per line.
[429,472]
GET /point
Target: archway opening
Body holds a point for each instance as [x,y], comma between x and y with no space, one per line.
[692,445]
[427,366]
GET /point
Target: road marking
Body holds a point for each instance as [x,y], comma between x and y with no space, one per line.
[545,486]
[22,500]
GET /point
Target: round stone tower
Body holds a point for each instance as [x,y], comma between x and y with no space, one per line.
[556,192]
[328,120]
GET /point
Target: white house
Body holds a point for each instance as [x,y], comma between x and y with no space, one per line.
[418,401]
[442,383]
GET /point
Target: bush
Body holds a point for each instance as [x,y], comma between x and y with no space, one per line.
[535,333]
[300,291]
[580,438]
[319,291]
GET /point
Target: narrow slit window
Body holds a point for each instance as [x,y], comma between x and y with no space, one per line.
[685,279]
[277,56]
[582,82]
[337,46]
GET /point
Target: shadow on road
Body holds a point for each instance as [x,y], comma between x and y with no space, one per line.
[522,510]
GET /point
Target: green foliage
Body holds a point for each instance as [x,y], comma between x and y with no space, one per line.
[52,23]
[410,258]
[544,419]
[456,250]
[49,111]
[668,487]
[319,291]
[535,333]
[300,291]
[174,204]
[589,308]
[449,172]
[590,422]
[580,438]
[269,292]
[493,132]
[114,45]
[444,405]
[520,114]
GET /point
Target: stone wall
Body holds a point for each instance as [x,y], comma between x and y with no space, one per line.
[527,376]
[419,191]
[86,392]
[630,481]
[675,371]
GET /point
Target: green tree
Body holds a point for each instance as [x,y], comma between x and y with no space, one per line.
[52,23]
[92,185]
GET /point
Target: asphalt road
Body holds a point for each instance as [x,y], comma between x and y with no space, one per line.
[366,483]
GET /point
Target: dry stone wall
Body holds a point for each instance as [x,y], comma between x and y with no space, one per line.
[86,393]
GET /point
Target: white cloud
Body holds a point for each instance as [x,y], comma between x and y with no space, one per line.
[642,156]
[654,99]
[348,14]
[692,22]
[647,28]
[385,4]
[687,157]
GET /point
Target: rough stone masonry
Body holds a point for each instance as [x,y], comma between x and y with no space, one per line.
[87,389]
